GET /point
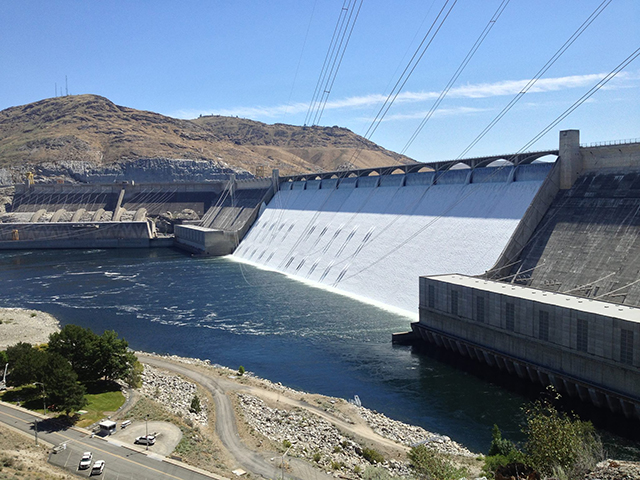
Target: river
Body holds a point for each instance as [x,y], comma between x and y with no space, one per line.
[233,314]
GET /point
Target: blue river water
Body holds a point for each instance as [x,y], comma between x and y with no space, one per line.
[165,301]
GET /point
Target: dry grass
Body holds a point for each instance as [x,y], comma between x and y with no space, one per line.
[92,128]
[21,459]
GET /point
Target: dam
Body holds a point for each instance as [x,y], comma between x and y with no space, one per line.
[528,265]
[373,236]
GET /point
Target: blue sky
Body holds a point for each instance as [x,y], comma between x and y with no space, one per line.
[261,60]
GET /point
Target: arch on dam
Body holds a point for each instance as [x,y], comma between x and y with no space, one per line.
[516,159]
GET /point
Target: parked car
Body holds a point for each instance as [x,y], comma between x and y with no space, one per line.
[146,440]
[85,462]
[98,467]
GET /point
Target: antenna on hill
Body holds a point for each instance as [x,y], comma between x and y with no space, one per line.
[66,87]
[56,94]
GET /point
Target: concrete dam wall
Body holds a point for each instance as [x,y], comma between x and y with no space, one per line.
[588,242]
[374,236]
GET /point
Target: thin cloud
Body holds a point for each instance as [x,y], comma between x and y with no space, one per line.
[442,112]
[469,91]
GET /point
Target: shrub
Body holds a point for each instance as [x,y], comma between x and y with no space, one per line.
[560,442]
[317,457]
[376,473]
[372,456]
[241,370]
[499,445]
[502,452]
[195,405]
[431,465]
[286,444]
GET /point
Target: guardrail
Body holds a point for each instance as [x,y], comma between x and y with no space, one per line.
[610,143]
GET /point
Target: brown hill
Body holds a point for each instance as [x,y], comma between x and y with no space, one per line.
[92,128]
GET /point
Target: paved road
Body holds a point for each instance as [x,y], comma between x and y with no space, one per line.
[225,421]
[122,462]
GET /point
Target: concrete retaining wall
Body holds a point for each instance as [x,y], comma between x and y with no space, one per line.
[75,235]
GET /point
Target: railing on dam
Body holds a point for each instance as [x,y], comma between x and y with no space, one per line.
[515,159]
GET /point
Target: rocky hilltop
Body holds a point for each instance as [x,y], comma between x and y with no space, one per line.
[72,135]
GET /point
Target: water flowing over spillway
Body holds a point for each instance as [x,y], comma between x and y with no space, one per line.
[374,236]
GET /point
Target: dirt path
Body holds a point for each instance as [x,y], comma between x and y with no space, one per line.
[225,418]
[359,429]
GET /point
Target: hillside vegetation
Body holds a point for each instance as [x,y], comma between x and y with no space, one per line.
[93,129]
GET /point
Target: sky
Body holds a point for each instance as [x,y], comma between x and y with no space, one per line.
[262,60]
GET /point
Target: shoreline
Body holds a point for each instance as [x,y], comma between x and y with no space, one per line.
[25,325]
[35,326]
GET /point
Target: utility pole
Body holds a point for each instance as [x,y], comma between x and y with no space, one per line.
[146,424]
[44,397]
[66,87]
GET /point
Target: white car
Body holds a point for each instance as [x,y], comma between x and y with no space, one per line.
[85,462]
[98,467]
[146,440]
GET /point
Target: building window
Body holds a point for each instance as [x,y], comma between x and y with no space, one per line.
[582,335]
[480,309]
[454,302]
[432,296]
[543,325]
[626,346]
[511,316]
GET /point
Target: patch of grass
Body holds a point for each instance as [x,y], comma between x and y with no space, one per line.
[99,403]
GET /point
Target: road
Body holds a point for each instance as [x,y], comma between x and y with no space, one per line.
[225,421]
[122,461]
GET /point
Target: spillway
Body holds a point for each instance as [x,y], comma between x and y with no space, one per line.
[372,237]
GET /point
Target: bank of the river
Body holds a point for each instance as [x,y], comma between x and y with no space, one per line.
[24,325]
[329,433]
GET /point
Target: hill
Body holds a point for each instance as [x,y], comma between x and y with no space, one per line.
[90,128]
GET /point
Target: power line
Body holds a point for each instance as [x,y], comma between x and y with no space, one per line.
[457,73]
[540,73]
[411,66]
[333,59]
[337,67]
[537,137]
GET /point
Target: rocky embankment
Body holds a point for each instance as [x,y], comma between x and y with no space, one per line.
[174,393]
[312,438]
[308,435]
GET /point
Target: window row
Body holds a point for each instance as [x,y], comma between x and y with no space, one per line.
[543,323]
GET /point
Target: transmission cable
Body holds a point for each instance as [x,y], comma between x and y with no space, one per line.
[333,59]
[540,73]
[334,68]
[458,72]
[537,137]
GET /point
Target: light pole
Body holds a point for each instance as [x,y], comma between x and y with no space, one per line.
[282,463]
[146,425]
[35,426]
[44,397]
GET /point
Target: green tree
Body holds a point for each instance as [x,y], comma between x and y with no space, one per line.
[431,465]
[61,384]
[134,377]
[4,359]
[112,359]
[77,345]
[25,364]
[94,357]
